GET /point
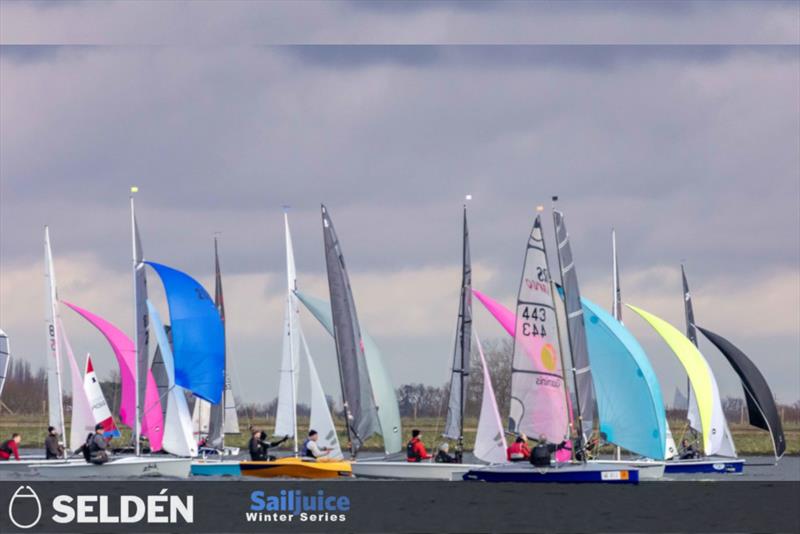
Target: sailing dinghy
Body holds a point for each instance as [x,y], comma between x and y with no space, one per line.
[332,465]
[490,444]
[540,406]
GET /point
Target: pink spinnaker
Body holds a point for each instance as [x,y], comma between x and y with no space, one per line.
[508,320]
[125,351]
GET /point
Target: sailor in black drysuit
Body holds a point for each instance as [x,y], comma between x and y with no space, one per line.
[259,446]
[95,447]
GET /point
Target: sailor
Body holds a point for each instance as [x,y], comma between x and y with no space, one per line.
[96,445]
[10,447]
[687,450]
[52,448]
[542,453]
[518,451]
[443,456]
[259,446]
[415,449]
[311,448]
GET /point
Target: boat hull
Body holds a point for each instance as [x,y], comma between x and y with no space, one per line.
[411,470]
[295,468]
[24,466]
[210,469]
[571,474]
[648,469]
[706,465]
[131,467]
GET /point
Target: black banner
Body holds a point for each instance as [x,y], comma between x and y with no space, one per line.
[395,506]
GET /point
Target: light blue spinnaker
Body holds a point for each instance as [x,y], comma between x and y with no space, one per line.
[198,340]
[388,410]
[629,401]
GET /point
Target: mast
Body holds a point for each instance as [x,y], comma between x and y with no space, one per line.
[466,327]
[691,332]
[137,428]
[616,304]
[55,390]
[218,410]
[569,334]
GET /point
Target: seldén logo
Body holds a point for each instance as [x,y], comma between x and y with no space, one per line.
[290,505]
[25,509]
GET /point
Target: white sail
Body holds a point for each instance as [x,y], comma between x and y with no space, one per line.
[55,408]
[5,356]
[286,415]
[670,450]
[231,423]
[320,419]
[178,437]
[201,414]
[82,417]
[100,409]
[490,440]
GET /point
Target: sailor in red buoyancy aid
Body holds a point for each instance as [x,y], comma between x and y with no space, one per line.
[415,449]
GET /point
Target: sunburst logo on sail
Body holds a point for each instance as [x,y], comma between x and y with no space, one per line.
[548,357]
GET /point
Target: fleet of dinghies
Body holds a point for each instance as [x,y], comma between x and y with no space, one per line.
[579,380]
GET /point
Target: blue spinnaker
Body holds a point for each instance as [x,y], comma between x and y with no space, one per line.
[629,401]
[198,339]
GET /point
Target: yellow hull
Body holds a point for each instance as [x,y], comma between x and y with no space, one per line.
[296,468]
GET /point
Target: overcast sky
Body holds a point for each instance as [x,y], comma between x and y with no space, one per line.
[677,123]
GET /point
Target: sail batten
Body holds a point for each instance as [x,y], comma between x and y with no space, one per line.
[359,404]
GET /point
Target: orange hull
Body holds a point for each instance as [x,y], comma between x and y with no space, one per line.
[296,468]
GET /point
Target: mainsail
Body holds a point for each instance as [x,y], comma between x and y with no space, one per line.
[55,403]
[286,413]
[538,398]
[198,343]
[761,409]
[704,386]
[125,352]
[490,439]
[178,437]
[575,325]
[692,411]
[100,409]
[5,356]
[454,425]
[82,423]
[141,334]
[359,406]
[388,409]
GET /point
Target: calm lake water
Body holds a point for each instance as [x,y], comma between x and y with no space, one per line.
[757,468]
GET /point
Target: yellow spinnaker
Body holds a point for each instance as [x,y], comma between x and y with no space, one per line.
[695,365]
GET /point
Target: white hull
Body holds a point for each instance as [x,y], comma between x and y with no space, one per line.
[118,468]
[24,465]
[648,469]
[411,470]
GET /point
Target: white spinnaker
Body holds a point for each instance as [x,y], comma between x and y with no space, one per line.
[82,416]
[286,415]
[201,414]
[320,419]
[5,355]
[55,407]
[490,440]
[178,438]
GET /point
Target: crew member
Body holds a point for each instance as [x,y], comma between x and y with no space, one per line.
[52,448]
[259,446]
[443,456]
[518,451]
[415,449]
[10,447]
[311,448]
[96,445]
[687,450]
[542,453]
